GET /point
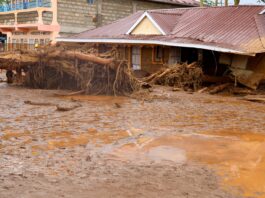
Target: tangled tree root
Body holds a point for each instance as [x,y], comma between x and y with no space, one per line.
[59,68]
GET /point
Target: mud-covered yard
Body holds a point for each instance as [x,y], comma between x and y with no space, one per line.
[174,144]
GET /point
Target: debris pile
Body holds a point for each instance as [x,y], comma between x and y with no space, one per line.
[186,76]
[59,68]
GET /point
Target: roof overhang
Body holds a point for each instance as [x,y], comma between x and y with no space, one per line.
[147,15]
[156,42]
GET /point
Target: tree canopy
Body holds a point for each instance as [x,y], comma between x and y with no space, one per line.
[4,2]
[220,2]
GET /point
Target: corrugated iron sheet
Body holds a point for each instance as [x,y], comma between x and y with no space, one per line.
[239,28]
[261,27]
[115,29]
[167,19]
[178,2]
[233,25]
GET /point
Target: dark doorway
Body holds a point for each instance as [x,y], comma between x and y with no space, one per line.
[3,38]
[211,64]
[189,55]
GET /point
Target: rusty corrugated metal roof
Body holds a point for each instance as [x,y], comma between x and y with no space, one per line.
[167,20]
[178,2]
[239,28]
[119,27]
[232,25]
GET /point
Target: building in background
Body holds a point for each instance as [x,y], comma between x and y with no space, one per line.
[39,22]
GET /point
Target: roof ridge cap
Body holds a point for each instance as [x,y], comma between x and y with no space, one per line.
[209,7]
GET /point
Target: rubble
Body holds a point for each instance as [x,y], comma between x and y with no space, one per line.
[186,76]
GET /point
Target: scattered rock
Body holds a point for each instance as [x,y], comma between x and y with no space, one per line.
[117,105]
[67,107]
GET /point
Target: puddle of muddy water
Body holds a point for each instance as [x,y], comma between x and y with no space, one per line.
[237,157]
[57,140]
[60,139]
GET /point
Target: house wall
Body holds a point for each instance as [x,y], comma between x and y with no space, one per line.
[146,27]
[147,63]
[257,63]
[124,52]
[76,16]
[112,10]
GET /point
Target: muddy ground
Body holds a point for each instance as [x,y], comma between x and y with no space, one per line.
[174,144]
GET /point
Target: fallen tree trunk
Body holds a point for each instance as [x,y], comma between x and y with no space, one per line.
[89,57]
[219,88]
[81,56]
[14,60]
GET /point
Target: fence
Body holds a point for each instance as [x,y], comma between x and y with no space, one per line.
[25,5]
[9,47]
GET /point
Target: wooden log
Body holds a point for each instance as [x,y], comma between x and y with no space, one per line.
[254,99]
[33,57]
[242,91]
[38,103]
[81,56]
[203,90]
[219,88]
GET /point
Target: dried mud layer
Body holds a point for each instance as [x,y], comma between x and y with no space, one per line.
[173,145]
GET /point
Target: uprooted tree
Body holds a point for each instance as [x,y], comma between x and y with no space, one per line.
[88,72]
[59,68]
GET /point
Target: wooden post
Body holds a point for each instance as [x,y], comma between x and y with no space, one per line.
[134,5]
[99,13]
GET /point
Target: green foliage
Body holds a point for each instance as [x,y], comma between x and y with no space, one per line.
[4,2]
[210,2]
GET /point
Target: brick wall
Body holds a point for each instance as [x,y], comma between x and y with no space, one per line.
[75,16]
[113,10]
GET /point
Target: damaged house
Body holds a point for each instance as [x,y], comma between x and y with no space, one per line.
[225,40]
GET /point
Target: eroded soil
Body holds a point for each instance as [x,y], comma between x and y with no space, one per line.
[175,145]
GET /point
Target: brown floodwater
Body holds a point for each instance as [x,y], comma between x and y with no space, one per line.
[238,157]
